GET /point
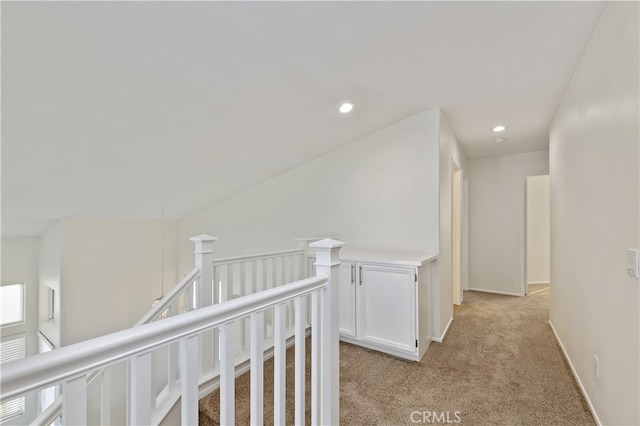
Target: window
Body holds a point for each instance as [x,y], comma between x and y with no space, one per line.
[51,294]
[11,304]
[9,351]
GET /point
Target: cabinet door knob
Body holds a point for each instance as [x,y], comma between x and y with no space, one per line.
[360,275]
[353,273]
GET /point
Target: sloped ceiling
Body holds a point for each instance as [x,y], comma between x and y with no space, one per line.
[116,109]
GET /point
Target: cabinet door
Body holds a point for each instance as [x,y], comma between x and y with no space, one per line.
[387,306]
[347,299]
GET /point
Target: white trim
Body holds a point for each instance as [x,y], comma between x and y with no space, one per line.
[505,293]
[538,291]
[537,282]
[575,376]
[400,353]
[444,333]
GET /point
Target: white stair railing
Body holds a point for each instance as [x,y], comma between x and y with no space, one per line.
[208,340]
[267,270]
[71,366]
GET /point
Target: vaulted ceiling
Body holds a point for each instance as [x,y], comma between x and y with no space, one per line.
[116,109]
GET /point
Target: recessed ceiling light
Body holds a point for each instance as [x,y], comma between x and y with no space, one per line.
[499,128]
[346,107]
[501,139]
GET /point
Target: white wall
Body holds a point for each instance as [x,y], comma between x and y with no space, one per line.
[497,220]
[20,266]
[378,192]
[450,150]
[538,229]
[111,272]
[595,215]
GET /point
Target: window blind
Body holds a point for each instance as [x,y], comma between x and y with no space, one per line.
[11,350]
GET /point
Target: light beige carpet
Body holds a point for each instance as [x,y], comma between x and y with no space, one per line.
[499,365]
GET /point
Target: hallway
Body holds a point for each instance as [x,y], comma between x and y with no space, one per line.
[499,364]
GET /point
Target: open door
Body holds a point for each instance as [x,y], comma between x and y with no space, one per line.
[537,234]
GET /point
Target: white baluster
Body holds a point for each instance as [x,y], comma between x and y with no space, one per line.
[292,269]
[279,365]
[153,382]
[140,389]
[300,305]
[264,286]
[243,323]
[227,375]
[283,270]
[217,291]
[328,264]
[105,397]
[292,278]
[257,368]
[172,355]
[274,271]
[189,380]
[74,404]
[254,277]
[244,290]
[217,298]
[172,366]
[316,328]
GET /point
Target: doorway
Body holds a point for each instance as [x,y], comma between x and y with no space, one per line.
[456,233]
[537,234]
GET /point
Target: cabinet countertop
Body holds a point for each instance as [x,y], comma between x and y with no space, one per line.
[392,257]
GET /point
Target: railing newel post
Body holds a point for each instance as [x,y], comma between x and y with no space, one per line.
[204,258]
[204,296]
[327,265]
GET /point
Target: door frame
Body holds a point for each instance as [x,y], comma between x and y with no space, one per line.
[523,229]
[456,218]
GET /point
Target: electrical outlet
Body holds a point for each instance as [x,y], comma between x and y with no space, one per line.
[596,367]
[632,262]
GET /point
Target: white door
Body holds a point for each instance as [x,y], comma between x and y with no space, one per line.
[347,296]
[387,306]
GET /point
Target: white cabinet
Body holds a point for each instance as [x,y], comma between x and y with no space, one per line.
[348,299]
[385,302]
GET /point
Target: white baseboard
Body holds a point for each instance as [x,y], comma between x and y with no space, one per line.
[575,376]
[538,282]
[444,333]
[506,293]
